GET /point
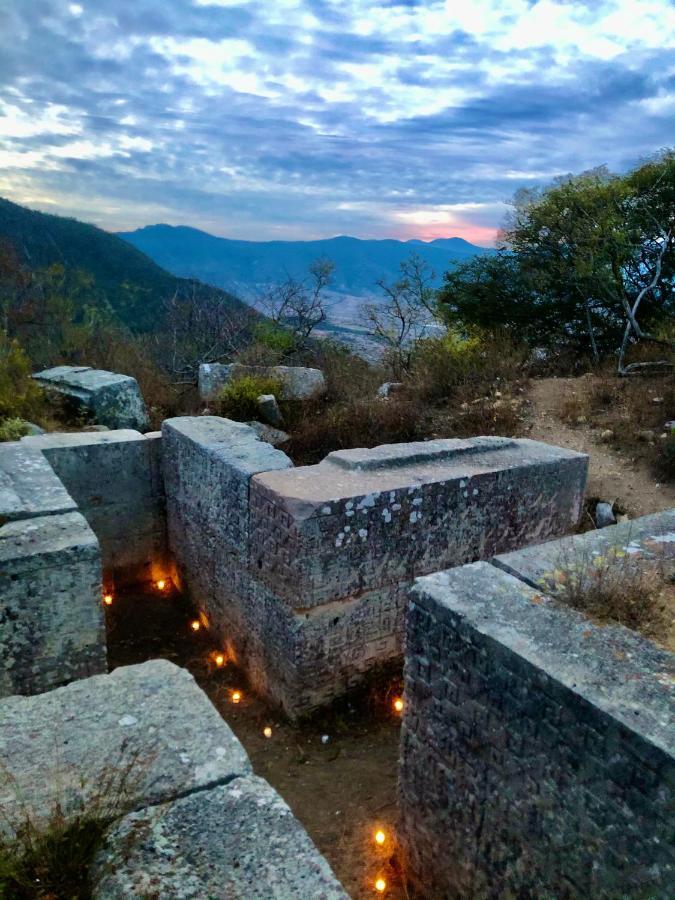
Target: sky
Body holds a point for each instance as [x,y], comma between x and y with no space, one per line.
[301,119]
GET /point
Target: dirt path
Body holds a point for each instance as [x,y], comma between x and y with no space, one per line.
[613,476]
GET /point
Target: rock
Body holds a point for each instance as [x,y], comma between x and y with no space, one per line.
[646,434]
[604,515]
[33,429]
[606,435]
[299,382]
[95,428]
[269,410]
[109,398]
[237,841]
[581,420]
[388,388]
[273,436]
[621,518]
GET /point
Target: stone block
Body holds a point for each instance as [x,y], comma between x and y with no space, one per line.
[365,518]
[109,398]
[238,841]
[537,749]
[51,621]
[115,479]
[147,731]
[28,485]
[299,382]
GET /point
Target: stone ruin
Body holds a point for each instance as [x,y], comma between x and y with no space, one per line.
[298,382]
[301,573]
[537,747]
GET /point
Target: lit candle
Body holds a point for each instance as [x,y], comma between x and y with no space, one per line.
[380,837]
[220,659]
[161,584]
[108,599]
[194,625]
[267,731]
[398,705]
[380,885]
[236,696]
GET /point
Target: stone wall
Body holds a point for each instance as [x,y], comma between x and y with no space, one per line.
[51,622]
[146,744]
[115,478]
[537,747]
[303,573]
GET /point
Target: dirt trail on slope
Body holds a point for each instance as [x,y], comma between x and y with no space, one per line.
[612,475]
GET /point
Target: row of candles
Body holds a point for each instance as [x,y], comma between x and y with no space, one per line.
[219,659]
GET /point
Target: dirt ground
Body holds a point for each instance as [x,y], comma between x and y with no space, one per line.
[337,772]
[612,476]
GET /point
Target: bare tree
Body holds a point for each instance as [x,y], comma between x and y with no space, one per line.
[299,305]
[408,309]
[201,327]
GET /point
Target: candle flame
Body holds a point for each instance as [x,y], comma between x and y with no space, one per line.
[108,599]
[195,625]
[398,705]
[220,659]
[161,584]
[380,837]
[267,731]
[236,696]
[380,885]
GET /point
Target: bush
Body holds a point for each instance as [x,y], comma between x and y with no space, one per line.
[238,400]
[20,396]
[275,338]
[12,429]
[356,423]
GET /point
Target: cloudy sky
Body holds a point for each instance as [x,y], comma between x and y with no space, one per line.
[309,118]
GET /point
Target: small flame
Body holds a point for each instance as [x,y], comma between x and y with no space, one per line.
[236,696]
[380,837]
[161,584]
[219,660]
[108,599]
[267,731]
[195,625]
[398,705]
[380,885]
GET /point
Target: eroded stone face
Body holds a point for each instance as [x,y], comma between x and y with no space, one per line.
[299,382]
[528,728]
[238,841]
[111,399]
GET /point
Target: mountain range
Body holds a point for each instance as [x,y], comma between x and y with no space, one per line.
[127,282]
[248,268]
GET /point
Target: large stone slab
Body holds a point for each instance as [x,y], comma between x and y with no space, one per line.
[28,485]
[537,748]
[110,398]
[150,719]
[51,621]
[362,519]
[299,382]
[238,841]
[116,479]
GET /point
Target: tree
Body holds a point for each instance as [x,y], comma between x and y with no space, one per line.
[408,309]
[298,306]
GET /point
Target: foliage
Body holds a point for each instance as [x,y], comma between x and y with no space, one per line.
[298,306]
[238,399]
[13,429]
[581,261]
[20,396]
[272,336]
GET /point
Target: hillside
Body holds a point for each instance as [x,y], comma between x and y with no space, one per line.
[133,285]
[246,267]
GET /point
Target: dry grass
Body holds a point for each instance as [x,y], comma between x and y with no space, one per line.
[49,857]
[618,587]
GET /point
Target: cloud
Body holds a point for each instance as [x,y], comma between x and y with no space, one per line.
[307,118]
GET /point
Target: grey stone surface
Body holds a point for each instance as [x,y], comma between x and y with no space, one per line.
[150,719]
[362,519]
[28,485]
[51,622]
[604,515]
[269,410]
[239,841]
[116,479]
[388,388]
[110,398]
[273,436]
[299,382]
[537,748]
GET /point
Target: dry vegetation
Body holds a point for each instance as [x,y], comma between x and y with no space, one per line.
[621,588]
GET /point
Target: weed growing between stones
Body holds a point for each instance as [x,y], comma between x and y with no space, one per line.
[619,586]
[48,855]
[239,398]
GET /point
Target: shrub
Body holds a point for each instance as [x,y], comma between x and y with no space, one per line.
[357,423]
[615,587]
[12,429]
[20,396]
[275,338]
[239,398]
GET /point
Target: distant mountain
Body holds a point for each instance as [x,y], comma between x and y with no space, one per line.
[131,284]
[247,267]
